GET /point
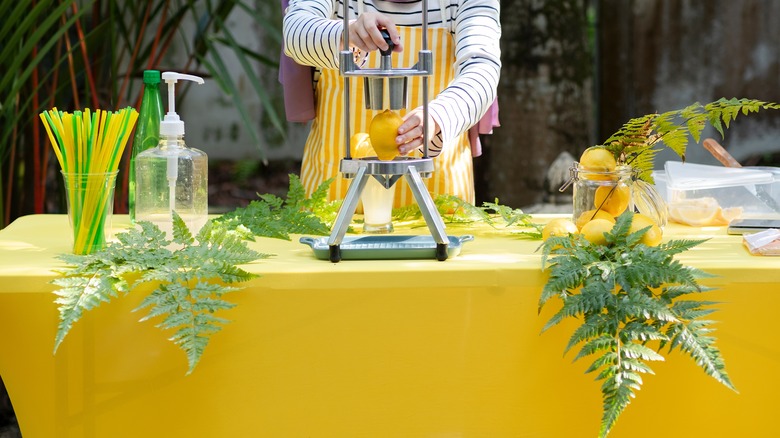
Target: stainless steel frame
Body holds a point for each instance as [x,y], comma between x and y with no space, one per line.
[387,172]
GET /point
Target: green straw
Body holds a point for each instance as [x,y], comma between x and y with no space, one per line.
[89,147]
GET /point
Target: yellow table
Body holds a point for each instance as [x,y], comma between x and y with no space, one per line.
[414,348]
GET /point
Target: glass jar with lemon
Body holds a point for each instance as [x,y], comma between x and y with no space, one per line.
[603,189]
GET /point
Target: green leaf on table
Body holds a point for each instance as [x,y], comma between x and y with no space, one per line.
[630,301]
[271,216]
[190,274]
[455,211]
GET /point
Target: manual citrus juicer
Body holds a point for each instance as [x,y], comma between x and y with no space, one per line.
[387,84]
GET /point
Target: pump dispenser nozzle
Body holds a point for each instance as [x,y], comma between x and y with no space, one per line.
[172,125]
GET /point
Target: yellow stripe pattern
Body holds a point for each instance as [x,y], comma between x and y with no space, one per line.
[325,147]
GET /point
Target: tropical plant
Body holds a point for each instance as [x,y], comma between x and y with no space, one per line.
[73,54]
[631,301]
[638,141]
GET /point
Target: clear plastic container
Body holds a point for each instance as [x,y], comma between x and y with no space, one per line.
[172,177]
[754,190]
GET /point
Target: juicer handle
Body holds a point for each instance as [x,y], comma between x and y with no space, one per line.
[390,45]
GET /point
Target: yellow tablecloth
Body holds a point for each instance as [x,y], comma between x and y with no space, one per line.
[402,348]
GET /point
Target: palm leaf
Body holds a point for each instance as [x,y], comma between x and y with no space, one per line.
[127,36]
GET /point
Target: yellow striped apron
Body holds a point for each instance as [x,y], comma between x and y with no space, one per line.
[453,168]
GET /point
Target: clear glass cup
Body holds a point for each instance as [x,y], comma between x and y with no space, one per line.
[377,207]
[90,201]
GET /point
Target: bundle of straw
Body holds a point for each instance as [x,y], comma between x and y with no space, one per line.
[89,147]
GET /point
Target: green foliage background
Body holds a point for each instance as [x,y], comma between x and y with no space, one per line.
[76,54]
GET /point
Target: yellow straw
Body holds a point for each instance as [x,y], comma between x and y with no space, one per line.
[89,143]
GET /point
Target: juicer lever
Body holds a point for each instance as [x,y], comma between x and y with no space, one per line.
[390,45]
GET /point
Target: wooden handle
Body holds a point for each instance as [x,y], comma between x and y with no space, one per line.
[720,153]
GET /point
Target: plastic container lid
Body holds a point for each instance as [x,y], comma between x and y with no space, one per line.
[690,176]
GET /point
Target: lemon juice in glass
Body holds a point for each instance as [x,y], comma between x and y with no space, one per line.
[377,207]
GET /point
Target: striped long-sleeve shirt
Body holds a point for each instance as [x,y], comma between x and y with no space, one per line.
[313,30]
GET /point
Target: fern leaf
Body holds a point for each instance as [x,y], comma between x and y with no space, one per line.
[190,281]
[296,193]
[642,331]
[696,125]
[626,295]
[618,392]
[635,143]
[692,339]
[77,295]
[274,217]
[181,234]
[188,312]
[678,246]
[601,343]
[593,327]
[639,351]
[573,306]
[605,362]
[189,339]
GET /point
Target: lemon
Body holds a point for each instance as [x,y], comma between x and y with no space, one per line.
[726,215]
[599,160]
[589,215]
[702,212]
[612,199]
[382,132]
[653,236]
[360,145]
[594,230]
[559,227]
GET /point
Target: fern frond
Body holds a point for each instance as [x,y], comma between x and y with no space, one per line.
[296,192]
[637,141]
[188,311]
[677,246]
[617,393]
[604,342]
[271,216]
[627,295]
[455,211]
[593,326]
[190,281]
[672,292]
[572,306]
[639,351]
[181,234]
[692,338]
[642,331]
[79,294]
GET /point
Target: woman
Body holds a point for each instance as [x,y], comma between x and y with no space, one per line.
[464,38]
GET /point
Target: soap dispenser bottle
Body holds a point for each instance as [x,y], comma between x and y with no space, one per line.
[172,177]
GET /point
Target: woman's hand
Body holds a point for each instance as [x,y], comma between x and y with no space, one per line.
[364,32]
[410,132]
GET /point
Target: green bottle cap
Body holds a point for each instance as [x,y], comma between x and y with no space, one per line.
[152,77]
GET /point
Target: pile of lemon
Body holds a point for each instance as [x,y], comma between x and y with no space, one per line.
[610,201]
